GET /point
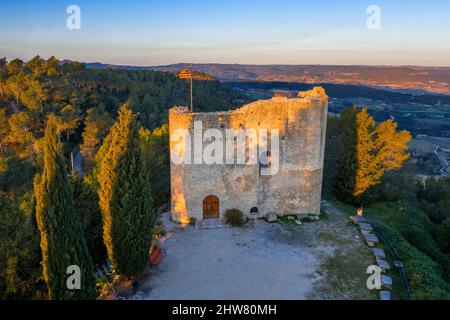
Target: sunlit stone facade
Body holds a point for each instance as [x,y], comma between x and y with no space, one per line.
[294,189]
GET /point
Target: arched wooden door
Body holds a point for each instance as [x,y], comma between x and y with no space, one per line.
[211,207]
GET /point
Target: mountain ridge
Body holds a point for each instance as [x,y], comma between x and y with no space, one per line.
[412,79]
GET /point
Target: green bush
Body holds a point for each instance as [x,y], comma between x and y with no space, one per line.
[192,221]
[234,217]
[425,276]
[410,233]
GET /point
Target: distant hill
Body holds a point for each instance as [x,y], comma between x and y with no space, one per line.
[197,75]
[347,91]
[406,79]
[409,79]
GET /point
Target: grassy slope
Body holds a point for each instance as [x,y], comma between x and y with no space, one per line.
[345,258]
[410,232]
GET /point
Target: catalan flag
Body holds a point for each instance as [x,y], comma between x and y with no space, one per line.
[185,73]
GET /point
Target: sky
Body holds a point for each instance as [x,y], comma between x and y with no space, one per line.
[148,32]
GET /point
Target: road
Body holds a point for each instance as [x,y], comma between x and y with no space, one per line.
[443,170]
[444,165]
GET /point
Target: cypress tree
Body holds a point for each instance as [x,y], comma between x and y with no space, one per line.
[88,213]
[125,198]
[62,238]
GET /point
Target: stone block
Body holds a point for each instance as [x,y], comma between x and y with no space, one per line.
[365,226]
[385,295]
[379,253]
[383,264]
[370,238]
[358,219]
[386,281]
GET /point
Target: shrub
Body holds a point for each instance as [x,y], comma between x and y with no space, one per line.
[192,221]
[234,217]
[425,276]
[410,232]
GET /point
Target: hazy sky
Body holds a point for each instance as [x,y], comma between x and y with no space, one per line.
[147,32]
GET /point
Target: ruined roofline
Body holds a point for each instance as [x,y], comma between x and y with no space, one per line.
[315,94]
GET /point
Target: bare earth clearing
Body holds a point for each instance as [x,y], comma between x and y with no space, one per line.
[317,260]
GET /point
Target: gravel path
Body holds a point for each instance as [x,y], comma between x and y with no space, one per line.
[265,261]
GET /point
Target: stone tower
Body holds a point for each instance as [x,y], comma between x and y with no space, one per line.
[292,152]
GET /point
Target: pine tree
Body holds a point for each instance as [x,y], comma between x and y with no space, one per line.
[366,153]
[62,238]
[125,198]
[155,149]
[391,146]
[20,270]
[379,149]
[366,170]
[346,164]
[97,124]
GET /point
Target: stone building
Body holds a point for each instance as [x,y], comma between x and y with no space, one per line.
[284,178]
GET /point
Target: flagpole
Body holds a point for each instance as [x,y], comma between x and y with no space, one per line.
[192,108]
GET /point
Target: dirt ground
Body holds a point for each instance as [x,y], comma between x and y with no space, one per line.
[326,259]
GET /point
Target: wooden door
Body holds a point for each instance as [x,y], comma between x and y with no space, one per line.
[211,207]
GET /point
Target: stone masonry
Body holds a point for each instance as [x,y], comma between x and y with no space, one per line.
[294,189]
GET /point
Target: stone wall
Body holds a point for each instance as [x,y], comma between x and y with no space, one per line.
[294,189]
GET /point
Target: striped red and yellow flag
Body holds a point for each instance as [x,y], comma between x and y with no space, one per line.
[185,73]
